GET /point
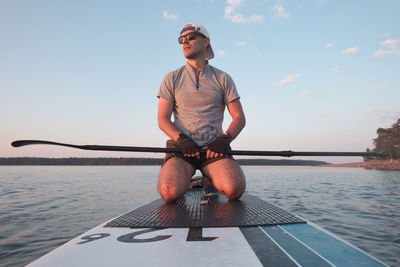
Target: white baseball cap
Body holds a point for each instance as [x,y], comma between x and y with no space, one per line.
[200,28]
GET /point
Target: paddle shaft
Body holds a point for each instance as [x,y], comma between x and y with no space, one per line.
[287,153]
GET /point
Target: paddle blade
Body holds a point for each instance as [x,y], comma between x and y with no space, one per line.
[19,143]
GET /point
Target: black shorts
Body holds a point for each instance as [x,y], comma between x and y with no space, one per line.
[198,164]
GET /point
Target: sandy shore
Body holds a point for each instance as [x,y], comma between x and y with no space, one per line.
[373,164]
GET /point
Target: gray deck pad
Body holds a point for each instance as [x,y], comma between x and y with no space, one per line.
[219,212]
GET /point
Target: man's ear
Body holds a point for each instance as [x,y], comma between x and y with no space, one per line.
[207,42]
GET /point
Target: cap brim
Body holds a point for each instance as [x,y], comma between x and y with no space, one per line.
[209,52]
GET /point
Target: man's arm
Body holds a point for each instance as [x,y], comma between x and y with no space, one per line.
[165,109]
[188,147]
[238,119]
[238,122]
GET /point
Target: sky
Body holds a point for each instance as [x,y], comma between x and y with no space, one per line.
[313,75]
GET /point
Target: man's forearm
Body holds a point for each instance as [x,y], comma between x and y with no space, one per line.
[236,126]
[238,118]
[169,129]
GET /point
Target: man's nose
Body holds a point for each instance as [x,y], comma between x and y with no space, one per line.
[185,40]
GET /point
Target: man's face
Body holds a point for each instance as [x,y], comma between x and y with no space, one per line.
[194,48]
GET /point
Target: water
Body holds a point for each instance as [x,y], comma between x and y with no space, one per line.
[42,207]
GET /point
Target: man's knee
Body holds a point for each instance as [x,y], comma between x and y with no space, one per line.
[171,188]
[169,195]
[228,178]
[235,189]
[174,179]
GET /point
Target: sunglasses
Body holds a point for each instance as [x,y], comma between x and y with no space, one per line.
[190,36]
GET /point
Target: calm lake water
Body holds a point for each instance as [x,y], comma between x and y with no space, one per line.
[42,207]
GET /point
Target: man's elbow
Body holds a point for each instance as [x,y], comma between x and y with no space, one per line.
[161,123]
[242,121]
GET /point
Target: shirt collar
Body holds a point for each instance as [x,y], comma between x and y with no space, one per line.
[191,69]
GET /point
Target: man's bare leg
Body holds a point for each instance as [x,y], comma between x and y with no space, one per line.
[174,179]
[227,176]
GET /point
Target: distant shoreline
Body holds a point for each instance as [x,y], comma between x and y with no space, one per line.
[32,161]
[371,165]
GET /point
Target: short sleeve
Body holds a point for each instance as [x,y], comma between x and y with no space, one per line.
[231,93]
[166,90]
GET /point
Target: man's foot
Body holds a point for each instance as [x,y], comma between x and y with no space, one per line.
[208,187]
[208,191]
[196,182]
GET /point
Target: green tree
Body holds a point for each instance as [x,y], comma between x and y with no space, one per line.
[389,140]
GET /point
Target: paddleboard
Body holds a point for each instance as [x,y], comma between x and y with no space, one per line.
[196,231]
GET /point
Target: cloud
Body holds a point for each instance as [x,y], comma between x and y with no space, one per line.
[221,53]
[350,50]
[303,94]
[233,15]
[328,45]
[288,79]
[241,43]
[392,47]
[168,16]
[373,88]
[336,69]
[280,11]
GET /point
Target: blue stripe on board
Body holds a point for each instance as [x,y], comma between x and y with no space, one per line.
[265,249]
[333,249]
[303,255]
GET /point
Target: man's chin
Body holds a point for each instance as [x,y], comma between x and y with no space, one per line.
[190,56]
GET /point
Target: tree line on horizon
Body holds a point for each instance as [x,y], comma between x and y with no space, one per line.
[388,140]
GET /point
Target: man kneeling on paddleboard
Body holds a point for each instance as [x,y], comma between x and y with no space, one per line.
[197,94]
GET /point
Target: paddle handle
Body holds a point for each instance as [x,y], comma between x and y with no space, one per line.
[287,153]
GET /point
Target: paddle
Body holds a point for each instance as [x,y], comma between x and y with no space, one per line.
[287,153]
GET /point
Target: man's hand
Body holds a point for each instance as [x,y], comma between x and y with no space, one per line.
[218,147]
[188,147]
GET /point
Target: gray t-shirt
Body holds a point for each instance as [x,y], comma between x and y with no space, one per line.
[199,101]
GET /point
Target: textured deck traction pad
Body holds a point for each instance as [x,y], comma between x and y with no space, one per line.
[219,212]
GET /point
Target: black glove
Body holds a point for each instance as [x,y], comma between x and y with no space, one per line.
[221,144]
[187,145]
